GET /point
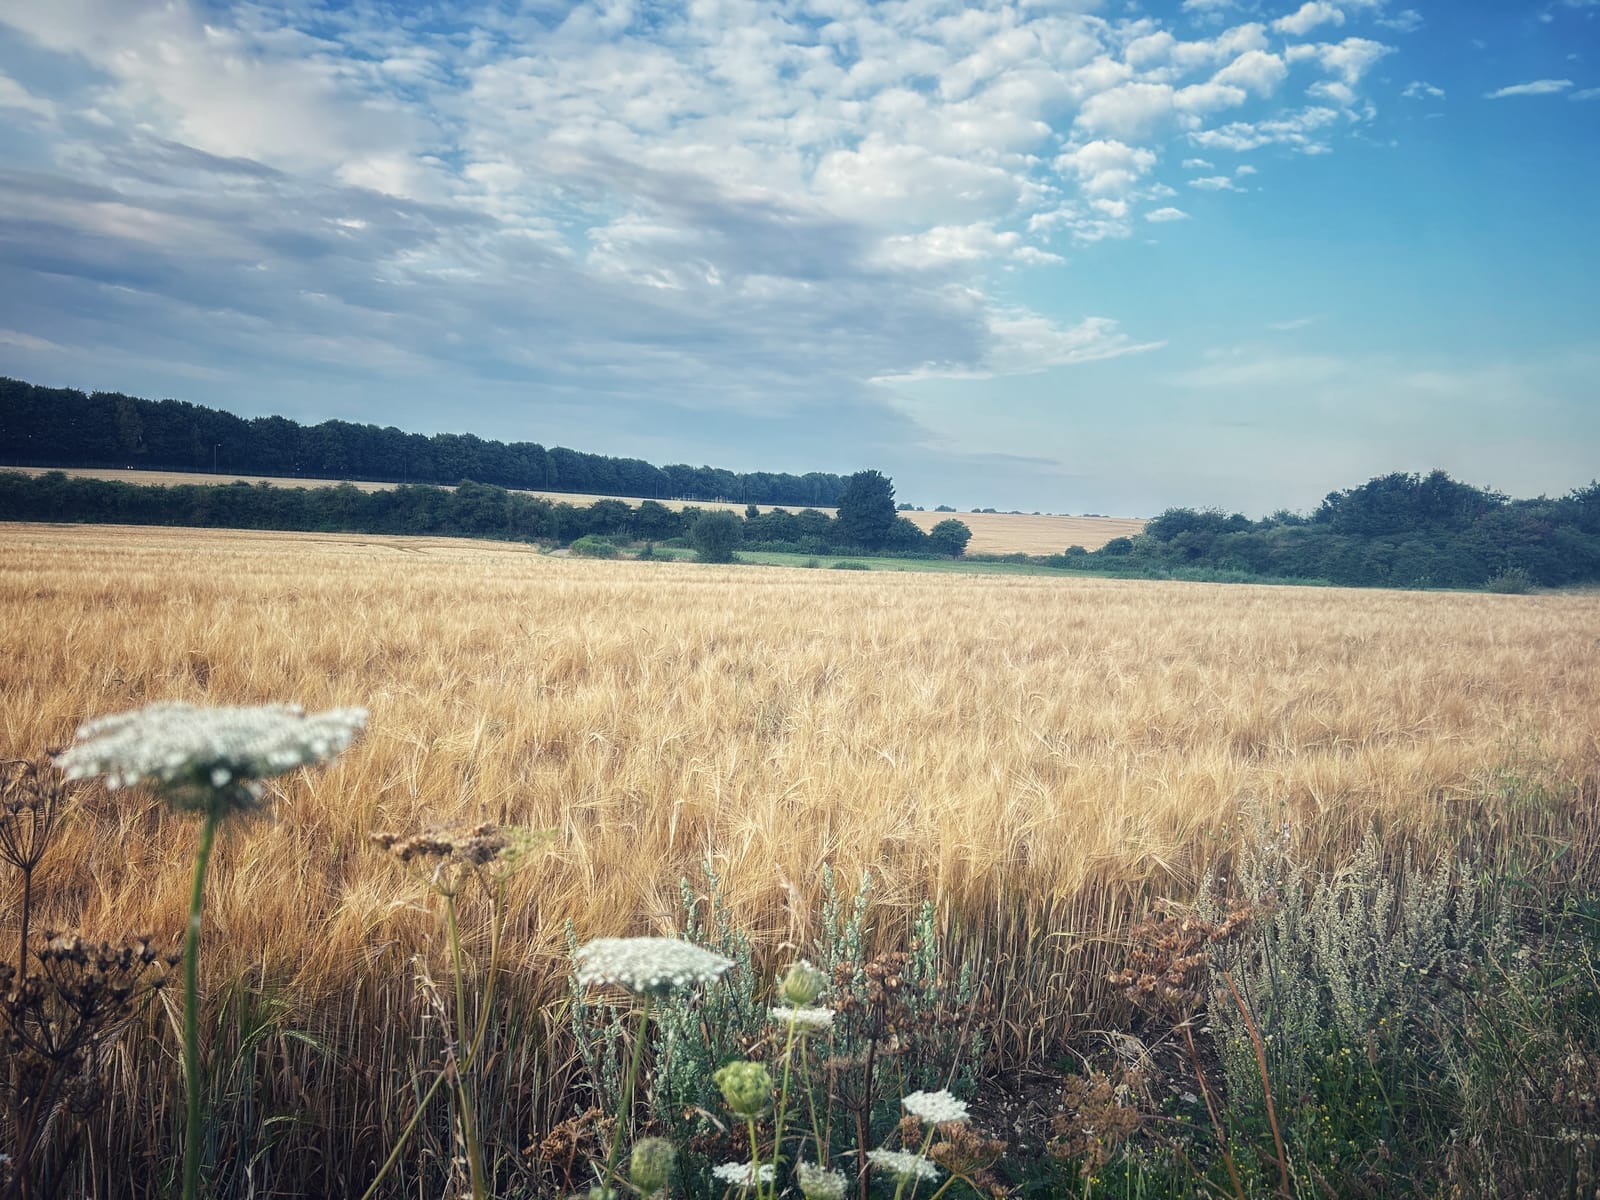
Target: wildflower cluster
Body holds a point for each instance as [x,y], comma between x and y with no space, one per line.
[648,966]
[202,757]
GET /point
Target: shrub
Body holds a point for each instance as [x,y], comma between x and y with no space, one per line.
[590,546]
[715,536]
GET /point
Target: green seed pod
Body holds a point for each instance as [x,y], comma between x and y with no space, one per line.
[746,1086]
[802,985]
[650,1168]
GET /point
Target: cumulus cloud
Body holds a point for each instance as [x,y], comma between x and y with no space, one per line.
[1308,16]
[1538,87]
[1163,215]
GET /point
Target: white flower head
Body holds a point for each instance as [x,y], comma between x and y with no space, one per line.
[741,1175]
[935,1108]
[653,966]
[821,1183]
[205,757]
[804,1020]
[903,1164]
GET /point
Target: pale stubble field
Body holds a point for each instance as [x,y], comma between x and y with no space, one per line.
[1037,756]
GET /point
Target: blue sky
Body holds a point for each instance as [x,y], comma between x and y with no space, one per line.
[1056,255]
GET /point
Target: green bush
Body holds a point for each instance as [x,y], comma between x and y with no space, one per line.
[591,546]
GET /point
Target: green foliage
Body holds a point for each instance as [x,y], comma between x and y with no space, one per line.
[590,546]
[716,535]
[950,537]
[866,510]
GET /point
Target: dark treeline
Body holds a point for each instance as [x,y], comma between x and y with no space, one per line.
[468,510]
[1398,530]
[61,427]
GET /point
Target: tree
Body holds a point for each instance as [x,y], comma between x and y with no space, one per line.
[866,510]
[950,537]
[716,535]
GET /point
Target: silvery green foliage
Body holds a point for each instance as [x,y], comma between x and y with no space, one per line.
[597,1029]
[1331,956]
[194,754]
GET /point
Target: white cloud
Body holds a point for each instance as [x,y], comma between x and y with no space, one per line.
[1129,111]
[1021,342]
[1585,94]
[1307,17]
[16,97]
[1538,87]
[1299,130]
[1255,71]
[1341,94]
[1295,323]
[1162,215]
[1106,168]
[1213,183]
[1418,90]
[1407,20]
[1351,58]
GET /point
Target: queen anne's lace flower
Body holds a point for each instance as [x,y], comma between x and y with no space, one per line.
[805,1020]
[821,1183]
[194,753]
[935,1108]
[903,1164]
[740,1175]
[652,966]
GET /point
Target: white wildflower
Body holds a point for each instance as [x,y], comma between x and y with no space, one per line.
[185,748]
[935,1108]
[653,966]
[821,1183]
[903,1164]
[740,1175]
[805,1020]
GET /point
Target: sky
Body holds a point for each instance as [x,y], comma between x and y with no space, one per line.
[1056,255]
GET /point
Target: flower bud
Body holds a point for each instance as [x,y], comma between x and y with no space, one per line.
[802,985]
[650,1168]
[746,1086]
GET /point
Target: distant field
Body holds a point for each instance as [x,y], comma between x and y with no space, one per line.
[992,533]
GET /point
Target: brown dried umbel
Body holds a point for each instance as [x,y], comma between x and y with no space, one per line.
[1097,1116]
[448,858]
[1169,968]
[571,1145]
[33,797]
[58,1021]
[969,1154]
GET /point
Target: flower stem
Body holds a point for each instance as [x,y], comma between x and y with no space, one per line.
[625,1108]
[191,1010]
[463,1054]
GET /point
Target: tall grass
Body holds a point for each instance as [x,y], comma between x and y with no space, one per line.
[1037,756]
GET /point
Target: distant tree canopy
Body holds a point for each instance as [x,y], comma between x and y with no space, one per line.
[867,514]
[61,427]
[1396,530]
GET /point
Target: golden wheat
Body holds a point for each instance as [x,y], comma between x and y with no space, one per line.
[1039,756]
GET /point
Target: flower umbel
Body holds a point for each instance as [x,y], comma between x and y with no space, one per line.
[801,984]
[206,758]
[804,1020]
[652,966]
[741,1175]
[821,1183]
[935,1108]
[650,1166]
[903,1164]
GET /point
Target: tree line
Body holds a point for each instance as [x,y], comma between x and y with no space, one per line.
[63,427]
[866,520]
[1398,530]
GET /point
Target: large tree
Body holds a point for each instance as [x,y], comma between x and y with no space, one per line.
[866,510]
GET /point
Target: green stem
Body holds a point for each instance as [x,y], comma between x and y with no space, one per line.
[625,1108]
[783,1106]
[463,1054]
[191,1010]
[755,1158]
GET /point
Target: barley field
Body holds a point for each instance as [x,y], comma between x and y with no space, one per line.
[1039,757]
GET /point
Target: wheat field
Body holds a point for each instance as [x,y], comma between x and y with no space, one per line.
[1038,756]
